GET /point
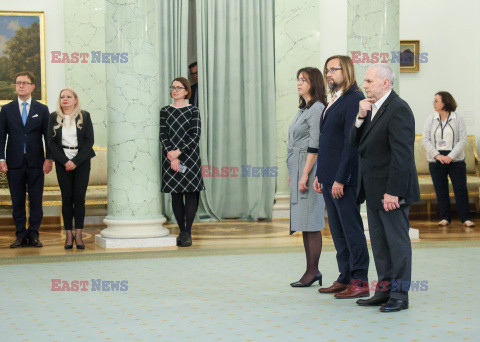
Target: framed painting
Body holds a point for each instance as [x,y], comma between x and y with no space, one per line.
[409,56]
[22,48]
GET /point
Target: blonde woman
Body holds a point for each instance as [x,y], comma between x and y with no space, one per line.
[70,138]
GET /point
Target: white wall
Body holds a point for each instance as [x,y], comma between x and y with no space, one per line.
[333,29]
[54,38]
[449,31]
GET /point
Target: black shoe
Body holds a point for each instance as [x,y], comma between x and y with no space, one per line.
[68,246]
[19,243]
[373,301]
[179,238]
[394,305]
[82,246]
[317,277]
[185,240]
[35,242]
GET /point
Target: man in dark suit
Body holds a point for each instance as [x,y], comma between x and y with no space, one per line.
[384,132]
[24,121]
[194,75]
[337,172]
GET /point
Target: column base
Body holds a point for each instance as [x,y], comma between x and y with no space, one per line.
[166,242]
[281,208]
[134,229]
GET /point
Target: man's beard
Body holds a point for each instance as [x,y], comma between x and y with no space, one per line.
[333,86]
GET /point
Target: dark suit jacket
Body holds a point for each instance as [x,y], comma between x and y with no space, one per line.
[337,158]
[11,125]
[84,136]
[194,97]
[386,150]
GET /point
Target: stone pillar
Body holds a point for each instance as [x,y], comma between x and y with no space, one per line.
[134,203]
[297,45]
[373,33]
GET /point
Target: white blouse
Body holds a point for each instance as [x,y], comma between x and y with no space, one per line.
[444,136]
[69,136]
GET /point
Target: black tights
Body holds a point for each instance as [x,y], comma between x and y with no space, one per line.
[312,242]
[185,211]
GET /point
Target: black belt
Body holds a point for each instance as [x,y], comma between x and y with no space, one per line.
[70,147]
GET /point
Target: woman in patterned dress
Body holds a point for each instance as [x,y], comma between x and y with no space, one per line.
[181,165]
[307,207]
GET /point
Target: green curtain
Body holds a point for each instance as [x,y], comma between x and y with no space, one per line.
[173,25]
[235,49]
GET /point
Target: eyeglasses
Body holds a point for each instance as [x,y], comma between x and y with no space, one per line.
[176,88]
[22,83]
[331,70]
[301,80]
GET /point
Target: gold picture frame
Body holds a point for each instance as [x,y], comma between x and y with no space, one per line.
[409,56]
[29,29]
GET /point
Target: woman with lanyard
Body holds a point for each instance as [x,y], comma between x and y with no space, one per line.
[444,137]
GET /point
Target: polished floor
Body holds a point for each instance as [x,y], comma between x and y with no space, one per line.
[233,297]
[231,285]
[221,235]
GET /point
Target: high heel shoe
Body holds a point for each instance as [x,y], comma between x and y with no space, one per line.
[70,246]
[300,284]
[79,231]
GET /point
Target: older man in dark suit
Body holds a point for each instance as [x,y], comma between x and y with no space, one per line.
[24,121]
[384,132]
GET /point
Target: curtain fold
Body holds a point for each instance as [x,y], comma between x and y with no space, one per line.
[173,25]
[235,49]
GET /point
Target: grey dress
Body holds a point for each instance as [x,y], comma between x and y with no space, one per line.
[307,210]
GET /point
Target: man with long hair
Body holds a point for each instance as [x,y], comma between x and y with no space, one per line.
[337,171]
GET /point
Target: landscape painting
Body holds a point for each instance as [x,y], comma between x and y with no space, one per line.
[22,48]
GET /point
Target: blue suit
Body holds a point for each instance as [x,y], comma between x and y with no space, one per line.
[338,162]
[25,158]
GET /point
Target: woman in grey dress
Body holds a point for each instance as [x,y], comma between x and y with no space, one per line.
[307,208]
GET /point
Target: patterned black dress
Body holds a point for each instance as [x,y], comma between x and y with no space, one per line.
[180,129]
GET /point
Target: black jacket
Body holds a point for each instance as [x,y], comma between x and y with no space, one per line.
[11,125]
[386,151]
[84,136]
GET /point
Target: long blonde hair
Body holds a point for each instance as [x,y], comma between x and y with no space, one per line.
[77,111]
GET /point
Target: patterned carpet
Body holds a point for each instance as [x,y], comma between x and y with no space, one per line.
[228,296]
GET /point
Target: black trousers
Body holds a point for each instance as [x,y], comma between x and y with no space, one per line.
[348,235]
[73,185]
[20,181]
[392,251]
[458,175]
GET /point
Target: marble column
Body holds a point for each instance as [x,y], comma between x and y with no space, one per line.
[133,123]
[297,44]
[373,35]
[84,33]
